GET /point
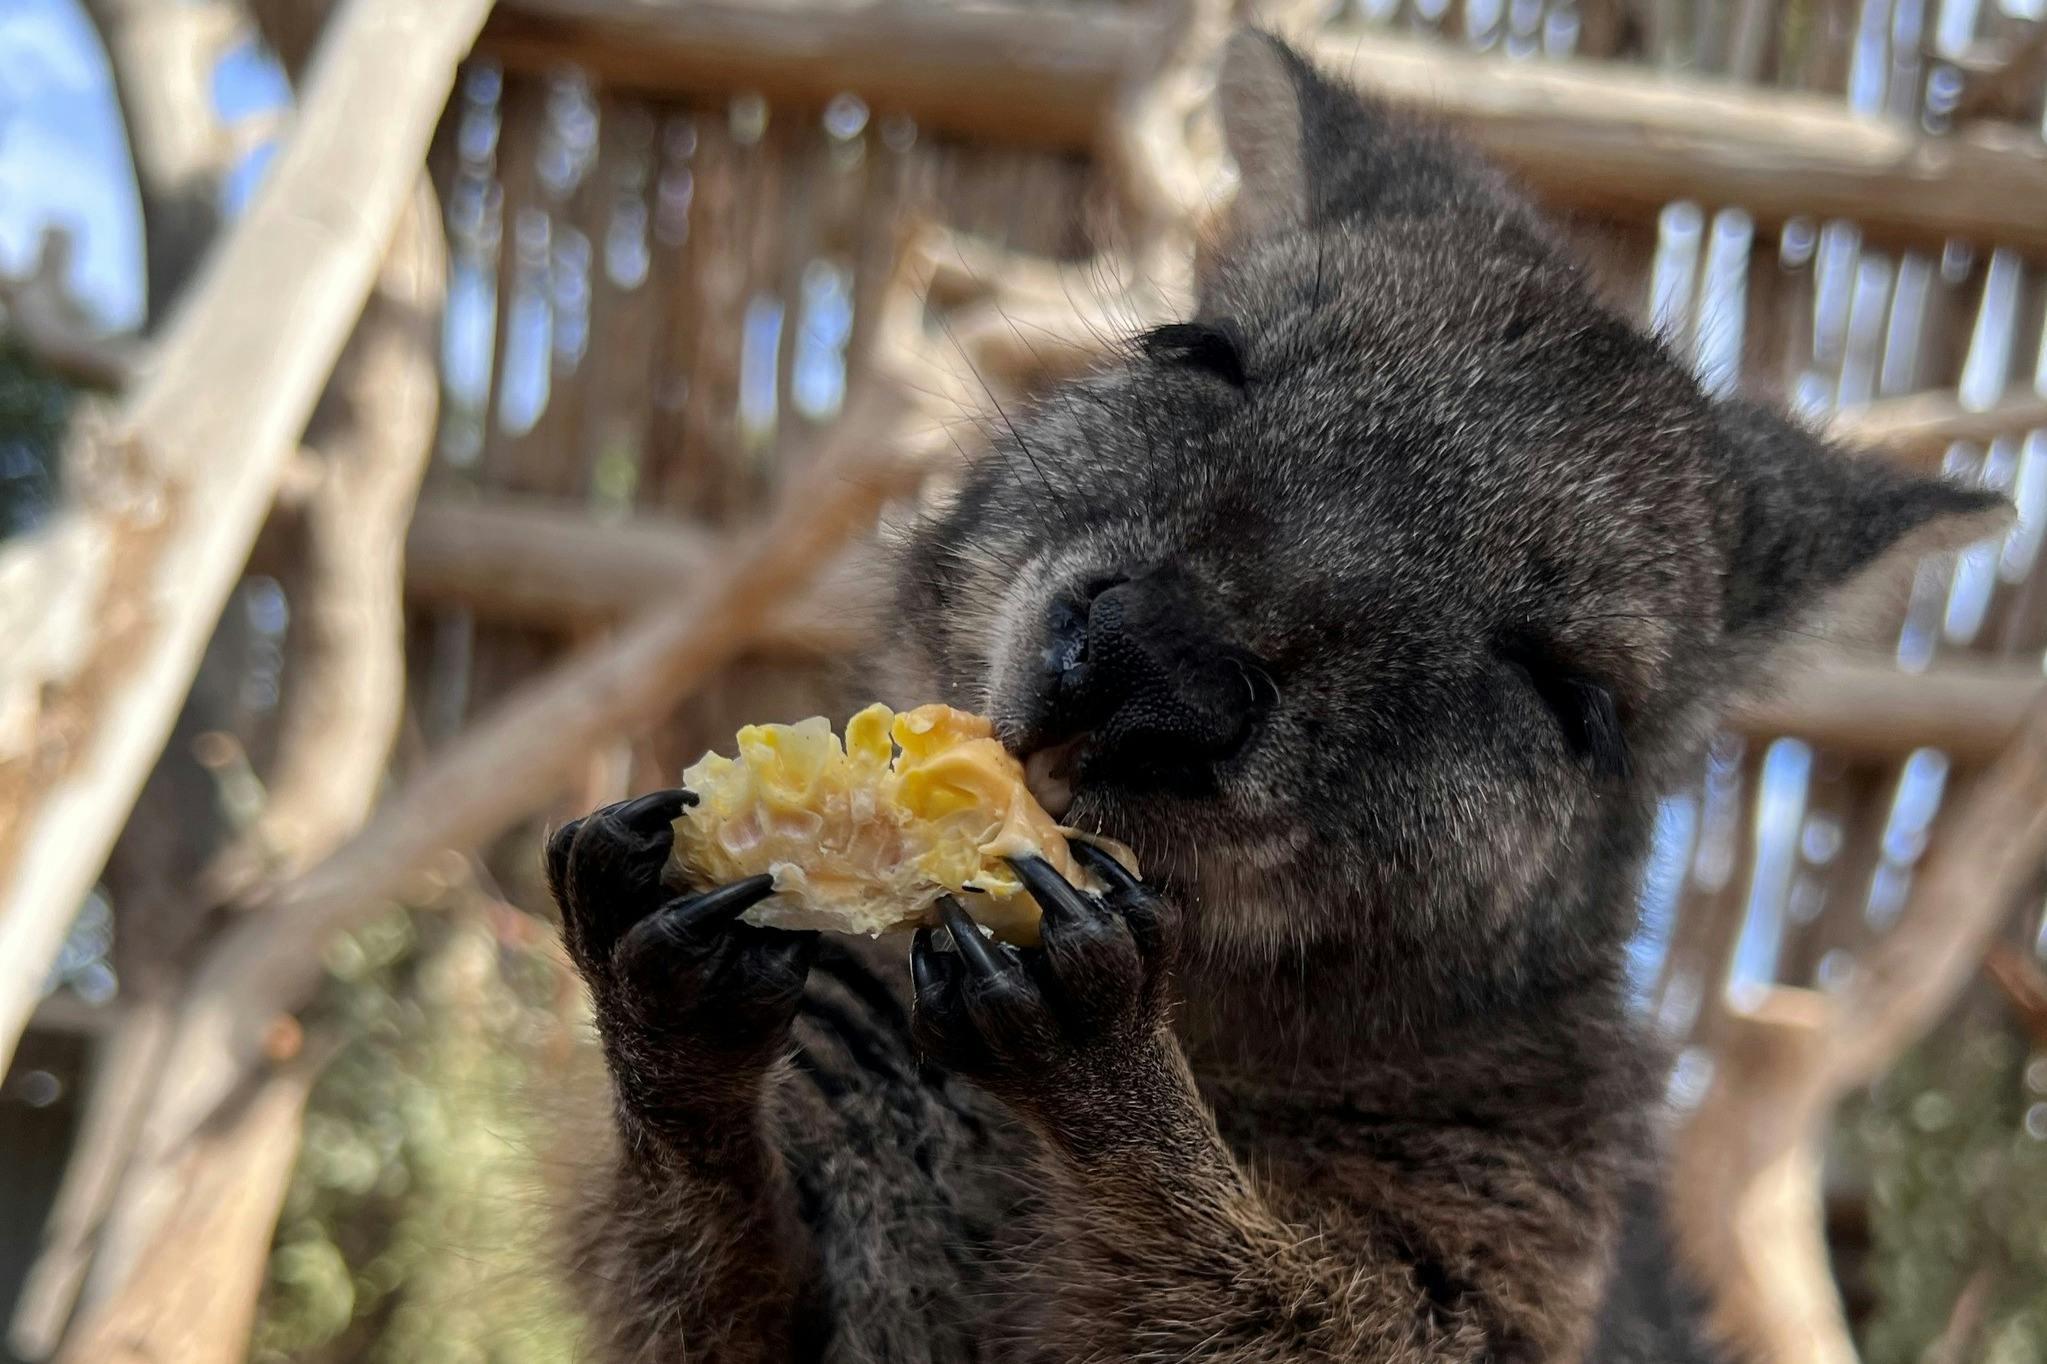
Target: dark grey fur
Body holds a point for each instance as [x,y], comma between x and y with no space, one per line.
[1386,595]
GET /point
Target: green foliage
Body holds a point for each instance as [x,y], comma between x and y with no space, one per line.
[1954,1141]
[417,1226]
[34,410]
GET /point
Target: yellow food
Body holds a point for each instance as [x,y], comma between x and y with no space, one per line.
[864,836]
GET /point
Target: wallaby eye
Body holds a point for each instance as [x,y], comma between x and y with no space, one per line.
[1212,347]
[1584,707]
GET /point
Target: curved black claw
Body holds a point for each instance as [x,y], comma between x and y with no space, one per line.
[1113,873]
[691,974]
[967,938]
[1059,900]
[1011,1016]
[924,964]
[1139,906]
[605,870]
[650,815]
[690,923]
[692,1003]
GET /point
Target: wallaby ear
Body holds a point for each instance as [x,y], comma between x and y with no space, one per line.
[1811,527]
[1310,151]
[1261,118]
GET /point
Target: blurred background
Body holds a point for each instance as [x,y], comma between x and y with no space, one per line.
[420,422]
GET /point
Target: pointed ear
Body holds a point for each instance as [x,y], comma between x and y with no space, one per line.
[1811,527]
[1261,118]
[1311,151]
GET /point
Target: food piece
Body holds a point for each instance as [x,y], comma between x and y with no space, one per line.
[864,836]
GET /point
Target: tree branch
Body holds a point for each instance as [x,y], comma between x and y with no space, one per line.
[163,58]
[344,676]
[194,1294]
[41,315]
[1920,428]
[529,561]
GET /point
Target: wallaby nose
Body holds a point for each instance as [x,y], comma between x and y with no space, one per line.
[1142,666]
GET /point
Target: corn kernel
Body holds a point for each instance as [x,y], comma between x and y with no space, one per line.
[865,835]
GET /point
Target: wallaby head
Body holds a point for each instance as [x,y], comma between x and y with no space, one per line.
[1375,603]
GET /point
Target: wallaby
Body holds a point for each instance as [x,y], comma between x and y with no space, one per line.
[1374,606]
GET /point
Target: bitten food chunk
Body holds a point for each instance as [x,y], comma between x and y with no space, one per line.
[864,836]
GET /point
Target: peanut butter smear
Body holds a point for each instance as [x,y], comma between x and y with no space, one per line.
[864,835]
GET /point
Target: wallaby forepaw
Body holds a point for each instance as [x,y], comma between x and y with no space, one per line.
[1041,1021]
[605,871]
[692,1003]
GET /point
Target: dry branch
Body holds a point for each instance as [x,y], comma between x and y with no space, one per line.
[2004,82]
[1041,77]
[1867,707]
[125,1074]
[163,59]
[38,313]
[1746,1178]
[1630,141]
[2024,985]
[546,564]
[344,689]
[174,494]
[344,671]
[195,1292]
[530,561]
[1921,427]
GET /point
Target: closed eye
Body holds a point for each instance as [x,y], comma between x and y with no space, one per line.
[1214,348]
[1583,707]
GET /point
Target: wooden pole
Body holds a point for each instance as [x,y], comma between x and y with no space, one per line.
[528,561]
[1867,707]
[537,563]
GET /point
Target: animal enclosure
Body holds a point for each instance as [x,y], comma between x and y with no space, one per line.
[666,304]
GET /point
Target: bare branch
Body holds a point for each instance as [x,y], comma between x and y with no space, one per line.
[345,668]
[1608,138]
[124,1079]
[1992,848]
[1012,74]
[533,562]
[1921,427]
[2025,988]
[38,312]
[1591,136]
[192,1299]
[163,59]
[1867,706]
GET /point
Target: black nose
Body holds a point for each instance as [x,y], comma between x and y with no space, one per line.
[1143,666]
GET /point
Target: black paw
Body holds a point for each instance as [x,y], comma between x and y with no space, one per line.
[1094,989]
[689,1000]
